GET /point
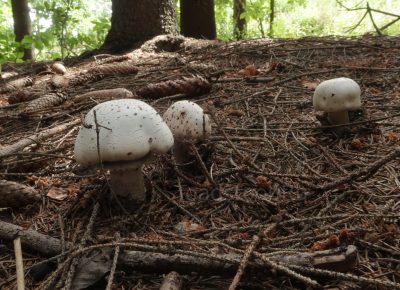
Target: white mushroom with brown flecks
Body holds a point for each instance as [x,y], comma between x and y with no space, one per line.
[188,122]
[130,132]
[337,97]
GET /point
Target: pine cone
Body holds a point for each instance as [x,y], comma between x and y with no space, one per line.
[14,195]
[16,84]
[115,69]
[84,78]
[22,96]
[49,100]
[191,87]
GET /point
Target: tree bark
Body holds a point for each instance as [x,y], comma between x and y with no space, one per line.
[239,30]
[198,19]
[133,22]
[22,24]
[271,18]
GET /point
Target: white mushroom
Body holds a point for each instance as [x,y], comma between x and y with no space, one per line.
[59,68]
[129,133]
[337,97]
[188,122]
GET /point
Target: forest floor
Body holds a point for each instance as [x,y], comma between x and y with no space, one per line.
[274,185]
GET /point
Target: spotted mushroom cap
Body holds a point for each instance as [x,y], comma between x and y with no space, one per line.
[129,130]
[340,94]
[188,121]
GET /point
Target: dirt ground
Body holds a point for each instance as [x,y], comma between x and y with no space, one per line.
[273,180]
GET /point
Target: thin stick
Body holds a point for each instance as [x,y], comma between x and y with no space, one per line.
[114,264]
[36,138]
[363,173]
[244,262]
[19,264]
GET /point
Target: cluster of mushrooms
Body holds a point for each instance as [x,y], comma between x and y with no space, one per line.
[123,135]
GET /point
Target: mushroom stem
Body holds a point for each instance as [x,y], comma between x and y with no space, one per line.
[338,118]
[128,183]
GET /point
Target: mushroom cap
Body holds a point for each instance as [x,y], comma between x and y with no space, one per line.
[335,95]
[129,130]
[188,121]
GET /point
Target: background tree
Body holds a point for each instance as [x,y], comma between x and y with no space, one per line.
[198,19]
[133,22]
[22,25]
[239,29]
[271,18]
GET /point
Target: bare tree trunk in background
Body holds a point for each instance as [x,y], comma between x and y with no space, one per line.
[22,24]
[135,21]
[239,30]
[271,18]
[198,19]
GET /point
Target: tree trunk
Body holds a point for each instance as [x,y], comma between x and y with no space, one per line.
[198,19]
[135,21]
[22,24]
[271,18]
[239,29]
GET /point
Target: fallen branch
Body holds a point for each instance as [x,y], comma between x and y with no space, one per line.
[338,259]
[15,195]
[36,138]
[32,239]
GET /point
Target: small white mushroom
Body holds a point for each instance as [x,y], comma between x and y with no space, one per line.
[59,68]
[130,132]
[337,97]
[188,123]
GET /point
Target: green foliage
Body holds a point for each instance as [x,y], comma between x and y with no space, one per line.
[63,28]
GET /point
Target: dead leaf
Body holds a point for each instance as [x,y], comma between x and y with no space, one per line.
[235,112]
[332,242]
[310,141]
[92,268]
[249,70]
[263,182]
[392,229]
[310,85]
[391,136]
[279,67]
[40,182]
[188,226]
[62,193]
[357,144]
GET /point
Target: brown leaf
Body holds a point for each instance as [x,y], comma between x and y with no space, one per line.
[249,70]
[263,182]
[62,193]
[40,182]
[332,242]
[235,112]
[310,85]
[357,144]
[391,136]
[188,226]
